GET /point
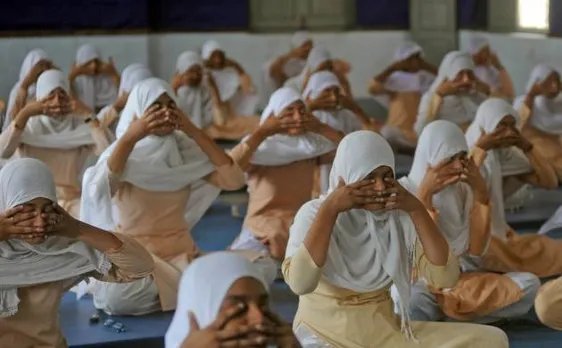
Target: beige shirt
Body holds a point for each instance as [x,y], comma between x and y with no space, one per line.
[36,324]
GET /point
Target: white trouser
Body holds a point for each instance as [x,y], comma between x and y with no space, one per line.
[247,241]
[424,306]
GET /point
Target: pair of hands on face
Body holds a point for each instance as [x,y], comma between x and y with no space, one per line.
[88,69]
[158,120]
[22,222]
[290,126]
[503,138]
[363,195]
[51,106]
[450,87]
[274,331]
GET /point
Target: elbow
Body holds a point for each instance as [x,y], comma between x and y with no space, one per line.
[302,288]
[235,179]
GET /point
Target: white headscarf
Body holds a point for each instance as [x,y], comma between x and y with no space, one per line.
[547,113]
[62,132]
[499,163]
[195,101]
[488,74]
[33,57]
[132,75]
[58,258]
[283,149]
[94,91]
[458,108]
[441,140]
[168,163]
[204,299]
[368,251]
[316,57]
[402,81]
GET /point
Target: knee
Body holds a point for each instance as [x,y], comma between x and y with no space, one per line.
[495,337]
[547,306]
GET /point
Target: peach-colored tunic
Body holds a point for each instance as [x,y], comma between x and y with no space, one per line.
[550,145]
[548,304]
[157,221]
[276,195]
[537,254]
[477,294]
[36,324]
[66,165]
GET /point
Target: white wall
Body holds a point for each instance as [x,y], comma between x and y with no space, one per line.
[520,52]
[367,51]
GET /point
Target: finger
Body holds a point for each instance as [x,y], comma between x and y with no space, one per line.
[17,218]
[193,325]
[244,342]
[158,123]
[228,315]
[12,211]
[341,183]
[274,318]
[21,230]
[361,184]
[391,190]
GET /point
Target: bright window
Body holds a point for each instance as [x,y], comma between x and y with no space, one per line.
[533,14]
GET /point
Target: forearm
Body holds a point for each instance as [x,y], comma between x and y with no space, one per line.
[317,240]
[216,154]
[19,103]
[506,84]
[331,134]
[543,173]
[384,75]
[118,158]
[243,152]
[480,221]
[99,239]
[434,244]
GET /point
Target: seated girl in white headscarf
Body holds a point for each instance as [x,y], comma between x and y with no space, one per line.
[319,59]
[540,109]
[456,196]
[92,80]
[280,159]
[454,95]
[508,160]
[34,64]
[324,97]
[231,306]
[234,84]
[44,252]
[488,67]
[399,88]
[349,246]
[153,184]
[130,76]
[200,99]
[59,131]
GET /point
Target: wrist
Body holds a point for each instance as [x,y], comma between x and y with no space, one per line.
[130,139]
[330,206]
[481,195]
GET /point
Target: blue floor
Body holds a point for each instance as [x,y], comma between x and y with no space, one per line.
[215,231]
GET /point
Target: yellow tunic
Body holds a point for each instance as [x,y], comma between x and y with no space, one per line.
[346,319]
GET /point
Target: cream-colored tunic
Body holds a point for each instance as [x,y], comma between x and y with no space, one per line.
[66,165]
[537,254]
[346,319]
[36,324]
[548,304]
[276,195]
[156,220]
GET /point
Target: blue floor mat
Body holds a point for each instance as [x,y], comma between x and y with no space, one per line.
[215,232]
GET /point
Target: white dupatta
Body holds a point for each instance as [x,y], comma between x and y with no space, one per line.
[486,73]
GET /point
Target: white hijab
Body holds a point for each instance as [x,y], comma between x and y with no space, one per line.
[547,113]
[62,132]
[58,258]
[487,73]
[283,149]
[204,299]
[316,57]
[402,81]
[499,163]
[368,251]
[33,57]
[168,163]
[458,108]
[441,140]
[95,91]
[340,119]
[195,101]
[227,79]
